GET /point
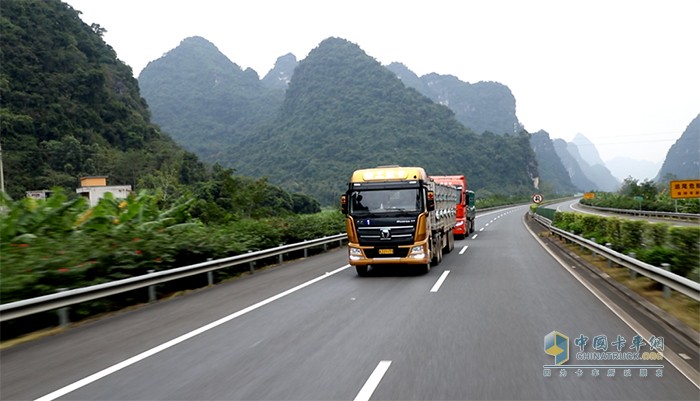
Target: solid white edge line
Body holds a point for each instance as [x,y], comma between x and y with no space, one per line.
[464,249]
[373,381]
[441,280]
[139,357]
[677,362]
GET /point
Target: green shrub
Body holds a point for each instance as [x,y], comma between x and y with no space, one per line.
[632,234]
[653,243]
[656,234]
[655,255]
[685,241]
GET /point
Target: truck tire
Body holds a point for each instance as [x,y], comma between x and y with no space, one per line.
[450,242]
[362,271]
[437,258]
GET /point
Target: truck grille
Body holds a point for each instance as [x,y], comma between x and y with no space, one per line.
[386,235]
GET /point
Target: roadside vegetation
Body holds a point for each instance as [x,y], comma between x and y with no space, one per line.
[653,243]
[62,243]
[646,195]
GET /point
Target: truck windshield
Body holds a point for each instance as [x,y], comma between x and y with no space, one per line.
[385,201]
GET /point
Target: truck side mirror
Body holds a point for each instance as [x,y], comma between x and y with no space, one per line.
[344,203]
[430,205]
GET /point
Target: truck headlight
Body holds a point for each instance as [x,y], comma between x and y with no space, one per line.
[355,253]
[417,252]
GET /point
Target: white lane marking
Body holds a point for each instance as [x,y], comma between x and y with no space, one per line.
[683,367]
[481,229]
[474,236]
[442,278]
[373,381]
[148,353]
[463,249]
[684,356]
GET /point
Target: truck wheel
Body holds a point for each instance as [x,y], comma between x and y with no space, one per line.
[362,271]
[450,242]
[438,256]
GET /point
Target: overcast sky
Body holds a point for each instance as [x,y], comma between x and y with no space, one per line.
[626,74]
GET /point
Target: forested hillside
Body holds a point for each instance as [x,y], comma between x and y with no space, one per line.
[578,178]
[555,178]
[343,110]
[69,107]
[204,100]
[482,106]
[280,75]
[683,158]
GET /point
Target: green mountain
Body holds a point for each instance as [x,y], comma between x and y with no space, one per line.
[586,154]
[683,158]
[69,107]
[554,176]
[344,111]
[482,106]
[572,166]
[280,75]
[204,100]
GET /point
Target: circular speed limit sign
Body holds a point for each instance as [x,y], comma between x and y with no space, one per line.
[537,198]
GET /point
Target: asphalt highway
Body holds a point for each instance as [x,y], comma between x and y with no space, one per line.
[473,328]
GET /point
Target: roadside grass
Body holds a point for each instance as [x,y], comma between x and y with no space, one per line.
[677,305]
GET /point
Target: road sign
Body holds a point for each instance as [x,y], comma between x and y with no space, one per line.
[537,198]
[589,195]
[683,189]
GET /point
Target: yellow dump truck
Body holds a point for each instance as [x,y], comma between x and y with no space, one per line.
[400,216]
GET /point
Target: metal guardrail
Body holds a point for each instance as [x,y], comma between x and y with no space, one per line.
[66,298]
[646,213]
[673,281]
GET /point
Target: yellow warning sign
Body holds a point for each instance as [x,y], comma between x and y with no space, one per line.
[685,189]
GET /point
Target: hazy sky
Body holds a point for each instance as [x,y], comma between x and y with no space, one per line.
[626,74]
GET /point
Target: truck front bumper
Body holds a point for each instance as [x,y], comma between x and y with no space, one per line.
[415,254]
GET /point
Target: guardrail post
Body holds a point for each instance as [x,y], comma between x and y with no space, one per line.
[251,265]
[63,318]
[593,254]
[609,245]
[280,257]
[306,251]
[633,274]
[151,290]
[210,276]
[667,290]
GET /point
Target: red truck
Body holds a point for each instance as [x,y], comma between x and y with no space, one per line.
[466,211]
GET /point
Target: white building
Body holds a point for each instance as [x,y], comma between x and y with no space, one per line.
[94,188]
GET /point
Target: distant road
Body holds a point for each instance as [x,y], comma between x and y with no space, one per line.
[574,206]
[473,328]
